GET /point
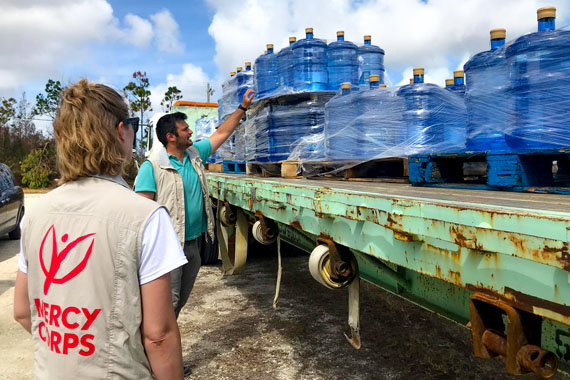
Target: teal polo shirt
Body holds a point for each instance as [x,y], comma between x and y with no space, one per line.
[196,222]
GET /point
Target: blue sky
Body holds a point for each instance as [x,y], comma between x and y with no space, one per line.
[191,43]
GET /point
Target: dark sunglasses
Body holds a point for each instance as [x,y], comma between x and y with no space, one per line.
[133,121]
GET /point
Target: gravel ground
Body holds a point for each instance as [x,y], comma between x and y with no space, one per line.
[231,331]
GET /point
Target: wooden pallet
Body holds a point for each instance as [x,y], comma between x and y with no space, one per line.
[213,167]
[393,169]
[236,167]
[543,171]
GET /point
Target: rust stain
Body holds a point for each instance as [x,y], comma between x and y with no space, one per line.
[524,301]
[538,302]
[250,204]
[296,224]
[438,273]
[455,277]
[454,255]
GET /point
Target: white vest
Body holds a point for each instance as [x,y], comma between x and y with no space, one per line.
[82,242]
[170,189]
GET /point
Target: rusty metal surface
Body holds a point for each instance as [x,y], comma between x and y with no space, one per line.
[511,245]
[516,337]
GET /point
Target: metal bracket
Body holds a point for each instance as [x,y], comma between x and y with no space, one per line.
[340,267]
[519,342]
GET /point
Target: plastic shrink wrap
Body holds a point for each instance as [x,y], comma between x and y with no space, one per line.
[229,101]
[434,118]
[205,127]
[539,104]
[378,122]
[285,62]
[244,81]
[487,96]
[256,137]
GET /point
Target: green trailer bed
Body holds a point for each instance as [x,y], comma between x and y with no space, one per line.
[435,246]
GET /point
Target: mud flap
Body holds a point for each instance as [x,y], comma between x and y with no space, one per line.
[353,333]
[232,243]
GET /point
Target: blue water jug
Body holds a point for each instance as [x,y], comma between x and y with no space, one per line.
[487,96]
[244,81]
[379,124]
[290,123]
[266,73]
[457,84]
[229,102]
[310,64]
[285,59]
[433,117]
[341,135]
[539,64]
[342,58]
[370,61]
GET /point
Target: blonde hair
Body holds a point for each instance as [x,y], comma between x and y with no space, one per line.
[85,131]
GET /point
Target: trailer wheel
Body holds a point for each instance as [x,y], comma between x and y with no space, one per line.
[319,268]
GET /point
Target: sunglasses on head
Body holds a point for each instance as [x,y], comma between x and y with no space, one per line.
[133,122]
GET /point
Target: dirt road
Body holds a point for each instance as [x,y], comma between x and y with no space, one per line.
[231,331]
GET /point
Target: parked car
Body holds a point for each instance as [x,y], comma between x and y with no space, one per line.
[11,204]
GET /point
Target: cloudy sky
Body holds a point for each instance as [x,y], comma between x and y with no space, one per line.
[190,43]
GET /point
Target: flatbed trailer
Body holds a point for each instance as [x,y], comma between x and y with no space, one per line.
[497,262]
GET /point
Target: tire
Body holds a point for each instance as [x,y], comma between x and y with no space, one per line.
[16,234]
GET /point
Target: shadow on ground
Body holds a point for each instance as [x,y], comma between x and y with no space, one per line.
[231,331]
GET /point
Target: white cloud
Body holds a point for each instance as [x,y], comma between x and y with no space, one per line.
[167,33]
[38,36]
[434,35]
[139,31]
[192,81]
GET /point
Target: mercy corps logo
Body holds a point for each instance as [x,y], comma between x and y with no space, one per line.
[65,329]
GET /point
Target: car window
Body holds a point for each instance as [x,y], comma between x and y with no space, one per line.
[5,178]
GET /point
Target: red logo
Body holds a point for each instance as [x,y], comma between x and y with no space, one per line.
[58,258]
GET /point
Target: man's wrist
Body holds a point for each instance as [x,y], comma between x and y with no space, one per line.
[240,107]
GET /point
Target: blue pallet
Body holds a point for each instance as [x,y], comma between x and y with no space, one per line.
[523,170]
[237,167]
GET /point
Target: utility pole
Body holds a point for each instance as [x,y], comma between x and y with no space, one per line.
[209,91]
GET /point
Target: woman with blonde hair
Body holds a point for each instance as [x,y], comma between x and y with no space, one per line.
[93,285]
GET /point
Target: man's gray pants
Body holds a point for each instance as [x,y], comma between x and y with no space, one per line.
[182,279]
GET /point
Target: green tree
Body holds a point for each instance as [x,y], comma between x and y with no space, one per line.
[47,104]
[38,167]
[7,110]
[138,97]
[18,134]
[172,95]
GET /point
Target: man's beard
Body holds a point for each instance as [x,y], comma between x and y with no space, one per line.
[184,144]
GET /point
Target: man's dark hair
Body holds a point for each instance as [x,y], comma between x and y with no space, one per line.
[167,124]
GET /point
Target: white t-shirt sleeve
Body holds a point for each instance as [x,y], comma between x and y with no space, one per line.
[22,263]
[161,250]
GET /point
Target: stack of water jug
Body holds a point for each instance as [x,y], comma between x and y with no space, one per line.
[517,96]
[507,98]
[233,90]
